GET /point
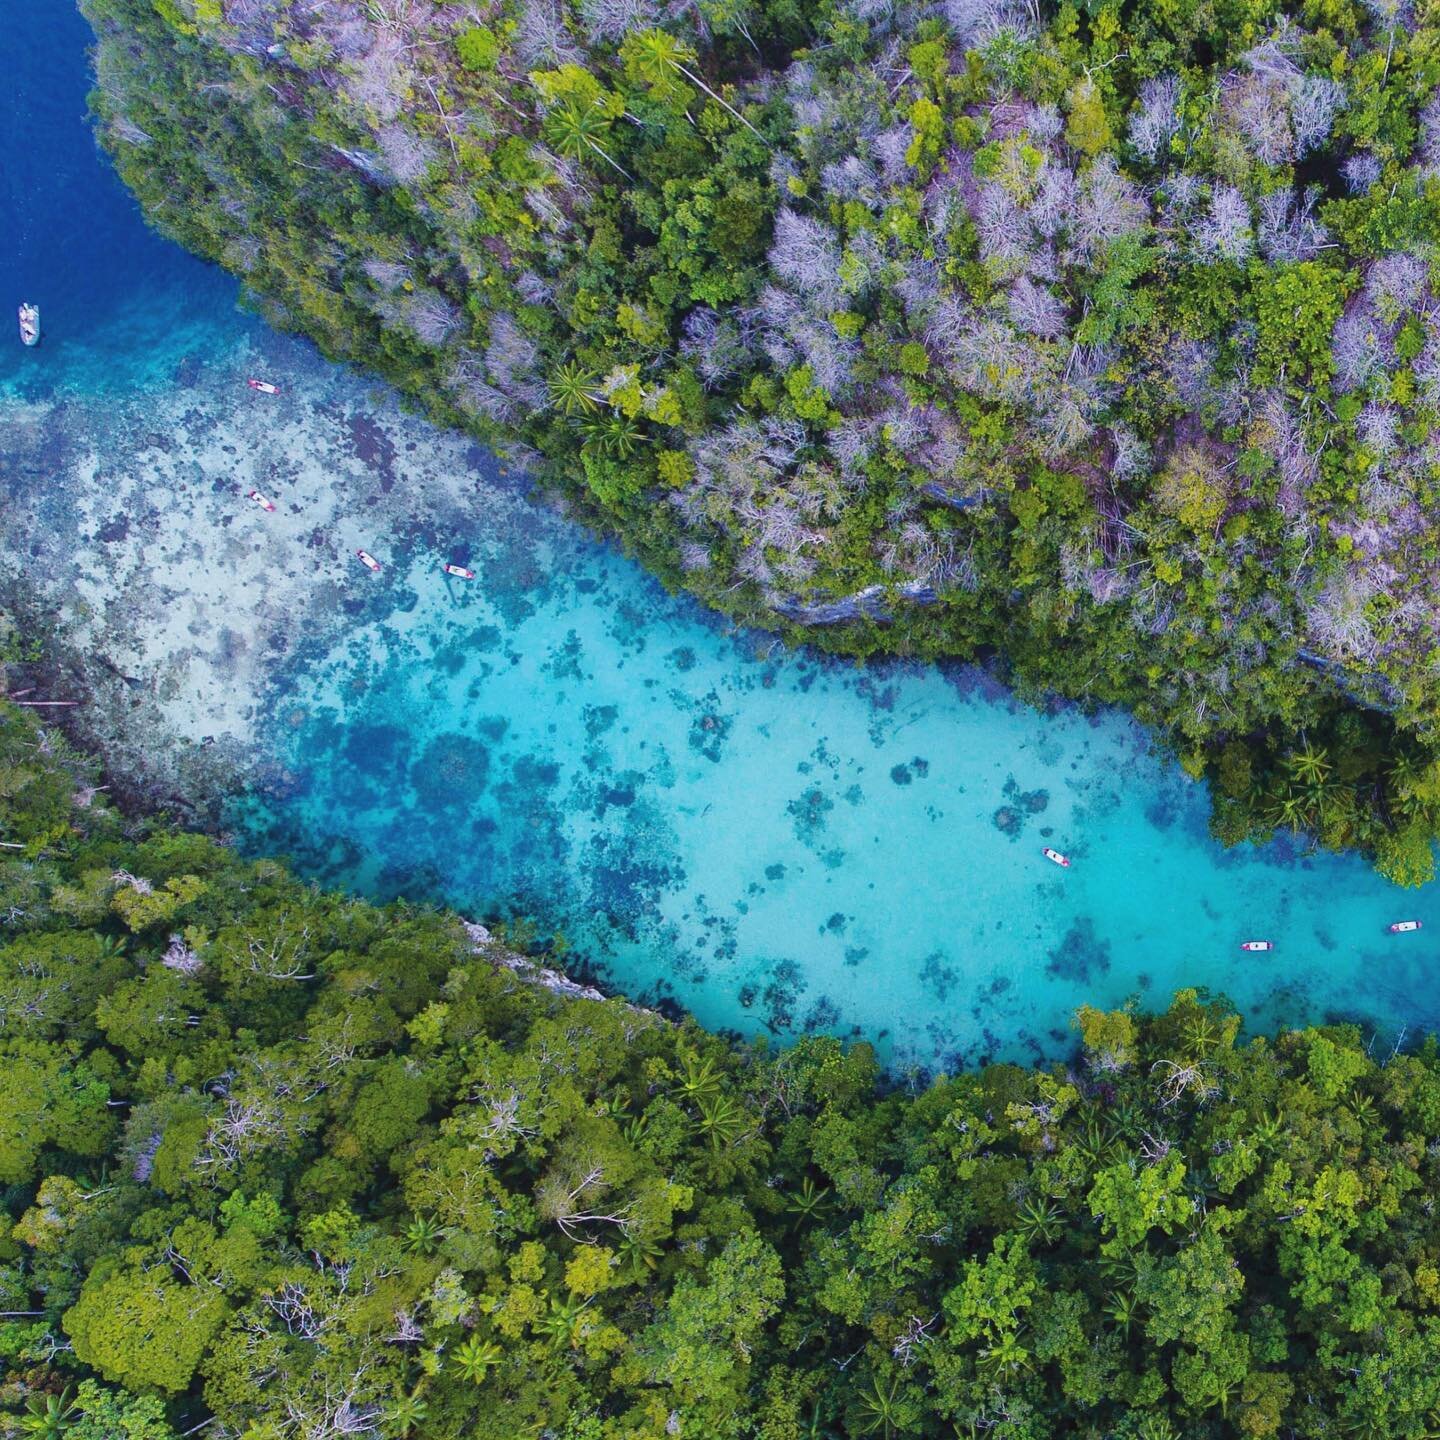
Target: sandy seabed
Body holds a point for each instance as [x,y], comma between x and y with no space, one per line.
[173,597]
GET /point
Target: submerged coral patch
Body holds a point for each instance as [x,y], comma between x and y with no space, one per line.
[450,772]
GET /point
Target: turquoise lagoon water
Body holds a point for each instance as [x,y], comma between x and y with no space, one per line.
[783,843]
[775,841]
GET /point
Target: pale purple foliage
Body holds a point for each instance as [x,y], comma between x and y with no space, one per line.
[806,253]
[1359,347]
[995,362]
[379,80]
[717,346]
[1396,285]
[1190,366]
[1110,208]
[1427,363]
[609,21]
[1429,120]
[1289,231]
[1131,454]
[407,155]
[1258,106]
[426,313]
[890,147]
[1156,120]
[533,289]
[1378,428]
[1225,232]
[541,39]
[977,22]
[852,179]
[511,355]
[1315,100]
[387,274]
[919,287]
[1036,310]
[1361,171]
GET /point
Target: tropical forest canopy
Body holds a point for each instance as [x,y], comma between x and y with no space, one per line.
[1104,336]
[277,1164]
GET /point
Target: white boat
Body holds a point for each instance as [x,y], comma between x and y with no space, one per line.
[29,323]
[263,386]
[368,560]
[1056,858]
[1257,944]
[1404,927]
[459,572]
[265,504]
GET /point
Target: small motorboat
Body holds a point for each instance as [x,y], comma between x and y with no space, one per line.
[263,386]
[29,323]
[1404,927]
[459,572]
[1257,945]
[368,560]
[267,505]
[1056,858]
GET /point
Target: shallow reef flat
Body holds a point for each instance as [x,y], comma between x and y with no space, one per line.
[127,522]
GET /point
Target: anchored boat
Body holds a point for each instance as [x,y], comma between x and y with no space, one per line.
[459,572]
[265,504]
[368,560]
[1404,927]
[264,387]
[29,323]
[1257,944]
[1055,857]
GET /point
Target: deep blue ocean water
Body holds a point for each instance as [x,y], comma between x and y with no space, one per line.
[775,841]
[117,303]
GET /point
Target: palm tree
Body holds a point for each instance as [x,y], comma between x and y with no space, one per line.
[423,1235]
[1097,1145]
[616,436]
[1361,1108]
[1309,763]
[1039,1220]
[574,129]
[701,1079]
[1155,1427]
[638,1254]
[1289,809]
[405,1414]
[1200,1034]
[658,57]
[572,389]
[1269,1131]
[1007,1356]
[809,1202]
[881,1405]
[1403,783]
[563,1322]
[475,1358]
[1122,1307]
[721,1119]
[51,1417]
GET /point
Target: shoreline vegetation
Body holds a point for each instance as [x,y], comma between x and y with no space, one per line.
[1103,339]
[276,1163]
